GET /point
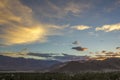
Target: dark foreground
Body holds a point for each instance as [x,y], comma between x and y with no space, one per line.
[61,76]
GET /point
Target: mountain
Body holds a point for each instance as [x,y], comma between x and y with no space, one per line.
[22,64]
[110,64]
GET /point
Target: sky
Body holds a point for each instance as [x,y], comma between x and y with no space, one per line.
[59,27]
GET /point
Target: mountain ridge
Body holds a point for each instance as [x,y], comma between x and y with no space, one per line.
[109,64]
[22,64]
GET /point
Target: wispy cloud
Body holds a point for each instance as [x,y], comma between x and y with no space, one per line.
[20,35]
[23,54]
[18,26]
[93,34]
[45,56]
[76,43]
[40,55]
[109,28]
[67,57]
[80,27]
[61,57]
[76,7]
[107,54]
[53,9]
[113,6]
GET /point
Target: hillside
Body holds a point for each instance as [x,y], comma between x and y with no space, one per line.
[92,65]
[22,64]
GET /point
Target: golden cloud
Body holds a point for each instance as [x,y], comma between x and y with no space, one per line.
[80,27]
[109,28]
[18,25]
[19,35]
[14,12]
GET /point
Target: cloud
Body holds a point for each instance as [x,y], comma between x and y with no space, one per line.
[112,54]
[107,54]
[113,6]
[10,13]
[99,57]
[18,26]
[61,57]
[76,7]
[118,48]
[53,9]
[80,48]
[109,28]
[45,56]
[80,27]
[2,45]
[103,51]
[93,34]
[40,55]
[26,55]
[76,43]
[20,35]
[68,57]
[14,54]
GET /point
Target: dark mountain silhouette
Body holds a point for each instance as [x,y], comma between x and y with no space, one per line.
[22,64]
[111,64]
